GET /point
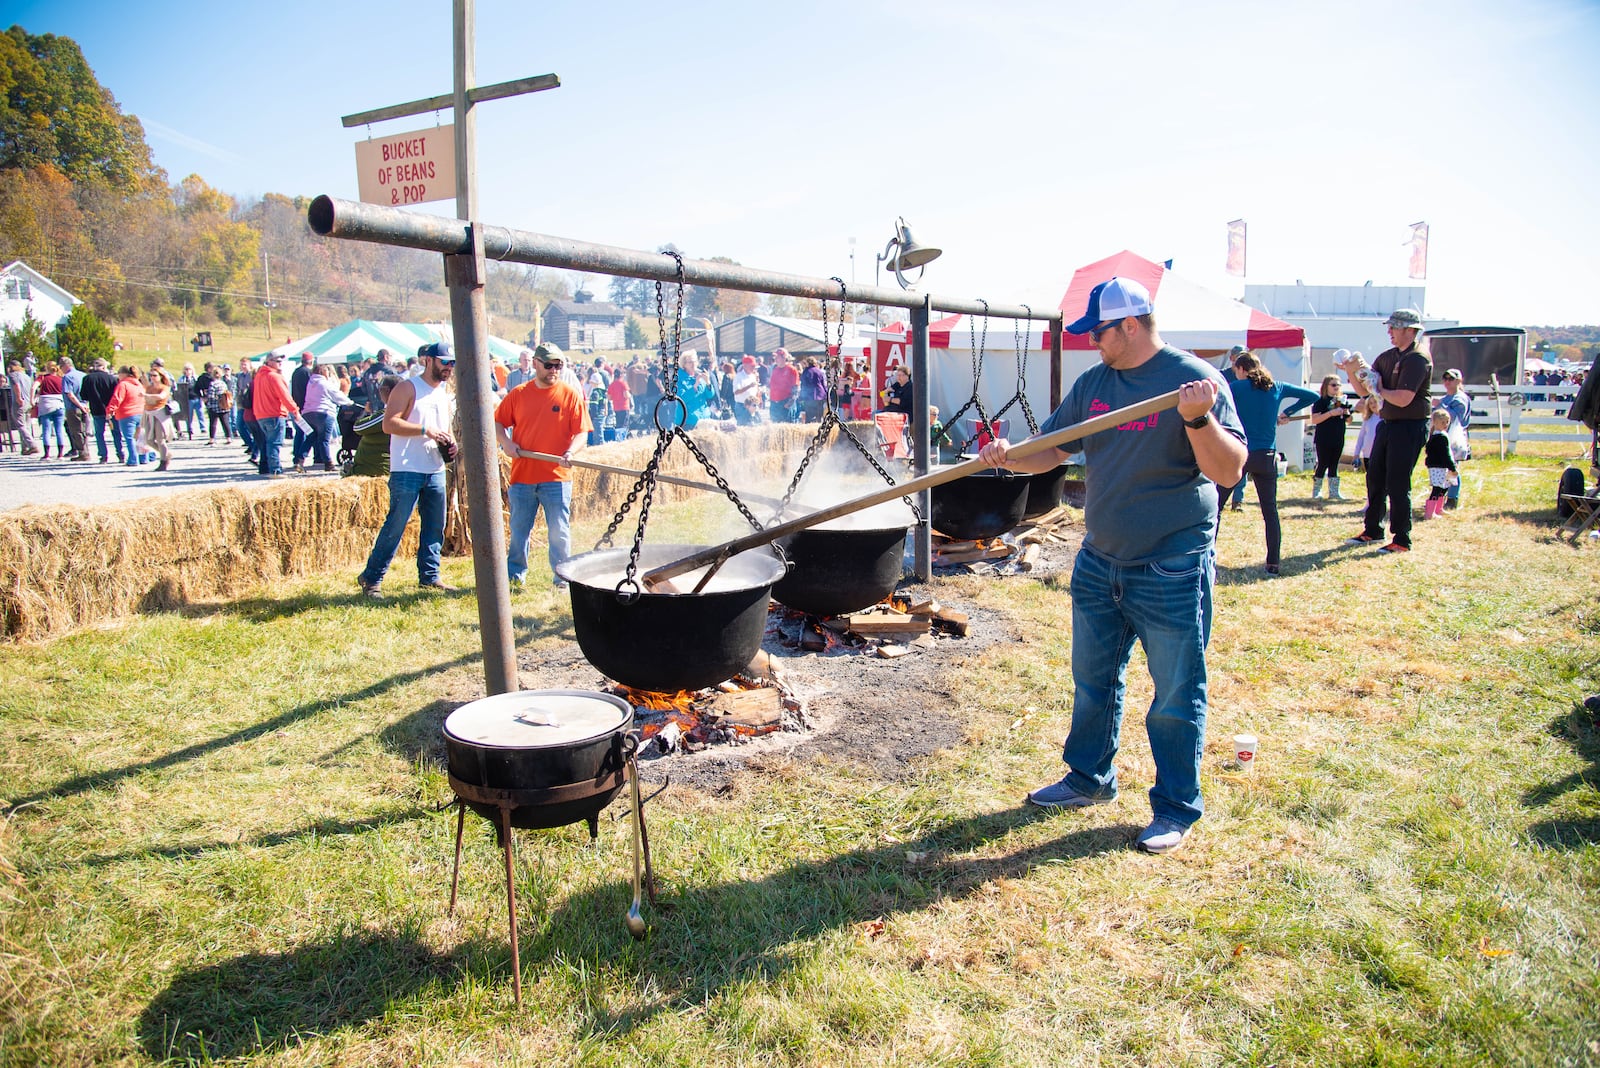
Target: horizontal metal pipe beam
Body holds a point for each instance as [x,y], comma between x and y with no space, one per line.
[536,84]
[355,221]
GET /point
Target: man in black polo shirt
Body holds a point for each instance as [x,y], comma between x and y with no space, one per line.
[1400,378]
[98,385]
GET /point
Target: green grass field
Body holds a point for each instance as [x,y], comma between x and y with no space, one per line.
[225,842]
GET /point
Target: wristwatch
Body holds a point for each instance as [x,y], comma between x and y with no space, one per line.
[1198,421]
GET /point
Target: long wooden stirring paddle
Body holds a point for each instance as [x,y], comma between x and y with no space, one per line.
[657,580]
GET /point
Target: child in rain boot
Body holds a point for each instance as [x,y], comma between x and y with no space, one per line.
[1330,416]
[1441,464]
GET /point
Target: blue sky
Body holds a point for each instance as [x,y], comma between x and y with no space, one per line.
[1025,138]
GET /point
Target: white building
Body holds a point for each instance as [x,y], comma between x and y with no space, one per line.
[1341,317]
[23,289]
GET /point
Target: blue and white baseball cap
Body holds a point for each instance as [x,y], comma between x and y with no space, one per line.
[1115,298]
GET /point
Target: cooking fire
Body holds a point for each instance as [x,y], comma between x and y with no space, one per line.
[730,713]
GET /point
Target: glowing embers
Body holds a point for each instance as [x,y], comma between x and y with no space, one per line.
[730,713]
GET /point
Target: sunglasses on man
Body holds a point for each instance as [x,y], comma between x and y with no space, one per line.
[553,365]
[1094,335]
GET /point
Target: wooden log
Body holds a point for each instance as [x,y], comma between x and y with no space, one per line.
[951,620]
[999,552]
[749,708]
[1028,557]
[874,626]
[949,546]
[891,652]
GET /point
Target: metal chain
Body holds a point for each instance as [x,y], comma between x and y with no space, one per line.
[822,424]
[628,589]
[1022,341]
[974,401]
[643,491]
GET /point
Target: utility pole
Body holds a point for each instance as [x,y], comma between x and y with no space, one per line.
[266,270]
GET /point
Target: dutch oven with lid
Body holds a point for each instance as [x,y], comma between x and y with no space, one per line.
[554,756]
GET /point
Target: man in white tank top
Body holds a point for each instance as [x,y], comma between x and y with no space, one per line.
[417,419]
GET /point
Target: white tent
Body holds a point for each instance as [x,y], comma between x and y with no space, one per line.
[1188,316]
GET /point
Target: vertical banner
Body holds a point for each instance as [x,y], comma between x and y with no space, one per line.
[1419,250]
[1236,247]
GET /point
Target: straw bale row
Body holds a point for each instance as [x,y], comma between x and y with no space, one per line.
[66,568]
[62,568]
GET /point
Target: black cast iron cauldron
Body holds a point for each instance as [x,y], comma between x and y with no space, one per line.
[980,506]
[1044,491]
[838,569]
[556,756]
[670,641]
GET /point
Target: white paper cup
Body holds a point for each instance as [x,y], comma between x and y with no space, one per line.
[1244,750]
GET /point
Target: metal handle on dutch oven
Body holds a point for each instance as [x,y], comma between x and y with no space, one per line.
[635,920]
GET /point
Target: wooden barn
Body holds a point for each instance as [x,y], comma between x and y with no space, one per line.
[584,323]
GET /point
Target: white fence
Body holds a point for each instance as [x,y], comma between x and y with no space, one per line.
[1529,413]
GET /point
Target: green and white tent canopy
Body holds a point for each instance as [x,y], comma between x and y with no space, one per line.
[362,338]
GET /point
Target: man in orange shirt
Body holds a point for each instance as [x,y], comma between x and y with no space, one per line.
[543,415]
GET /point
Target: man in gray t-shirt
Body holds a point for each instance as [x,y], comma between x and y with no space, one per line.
[1145,570]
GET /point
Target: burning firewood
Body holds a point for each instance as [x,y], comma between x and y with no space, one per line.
[991,552]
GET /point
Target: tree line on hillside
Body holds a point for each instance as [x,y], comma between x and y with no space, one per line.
[82,201]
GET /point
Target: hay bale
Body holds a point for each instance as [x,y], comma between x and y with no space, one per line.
[66,568]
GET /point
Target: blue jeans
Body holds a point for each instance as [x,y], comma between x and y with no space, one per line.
[321,432]
[302,445]
[128,434]
[1167,606]
[250,435]
[269,438]
[409,490]
[53,425]
[526,497]
[100,422]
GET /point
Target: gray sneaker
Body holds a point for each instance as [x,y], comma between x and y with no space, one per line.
[1162,836]
[1063,794]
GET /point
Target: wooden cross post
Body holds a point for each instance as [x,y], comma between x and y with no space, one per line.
[465,274]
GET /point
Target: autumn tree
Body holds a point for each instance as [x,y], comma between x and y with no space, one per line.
[53,112]
[219,254]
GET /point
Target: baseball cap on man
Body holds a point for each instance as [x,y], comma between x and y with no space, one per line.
[442,351]
[549,351]
[1113,299]
[1404,319]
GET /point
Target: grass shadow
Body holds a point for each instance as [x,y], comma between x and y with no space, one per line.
[265,1002]
[99,779]
[762,927]
[273,609]
[1581,727]
[321,829]
[419,737]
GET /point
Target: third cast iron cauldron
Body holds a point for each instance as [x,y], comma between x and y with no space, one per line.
[670,641]
[1045,490]
[979,506]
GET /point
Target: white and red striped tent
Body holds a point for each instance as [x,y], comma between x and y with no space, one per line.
[1188,316]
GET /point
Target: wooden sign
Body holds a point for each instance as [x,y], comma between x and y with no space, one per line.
[408,168]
